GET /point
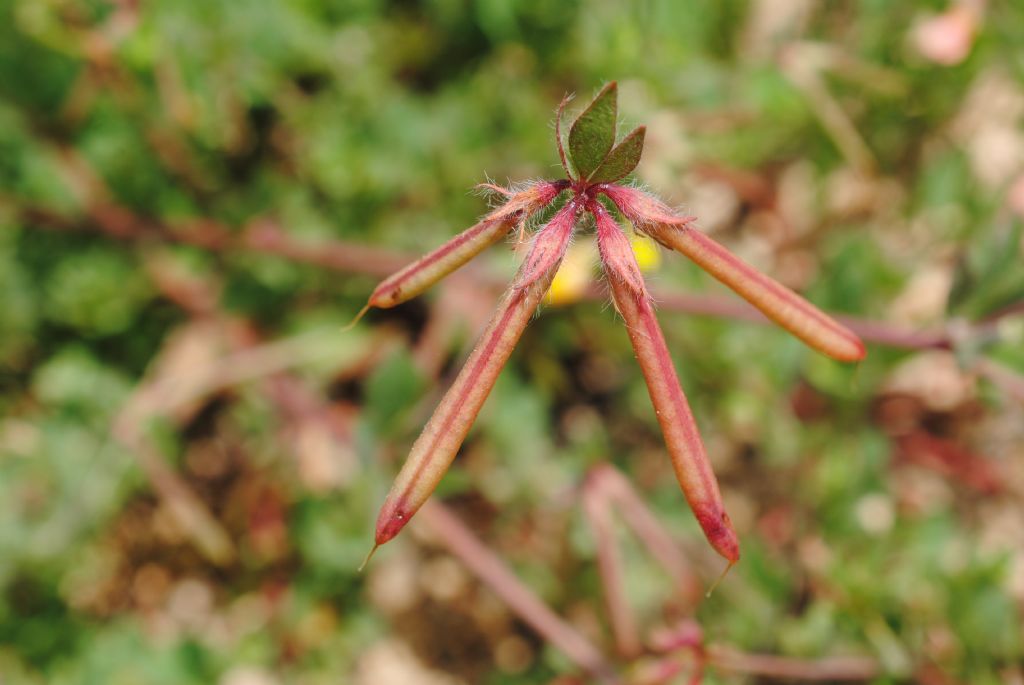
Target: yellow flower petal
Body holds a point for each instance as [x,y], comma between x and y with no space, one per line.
[648,257]
[574,276]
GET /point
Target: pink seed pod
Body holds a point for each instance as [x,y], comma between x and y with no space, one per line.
[434,450]
[685,447]
[776,301]
[780,304]
[429,269]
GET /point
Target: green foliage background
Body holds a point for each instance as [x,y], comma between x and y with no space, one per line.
[369,122]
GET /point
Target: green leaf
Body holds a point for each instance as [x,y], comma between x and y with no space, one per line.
[391,390]
[988,276]
[622,159]
[593,133]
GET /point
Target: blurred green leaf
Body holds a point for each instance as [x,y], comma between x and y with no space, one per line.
[989,275]
[391,389]
[98,292]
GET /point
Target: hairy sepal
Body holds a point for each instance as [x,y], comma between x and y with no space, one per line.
[549,245]
[641,208]
[418,276]
[528,200]
[685,447]
[434,450]
[617,255]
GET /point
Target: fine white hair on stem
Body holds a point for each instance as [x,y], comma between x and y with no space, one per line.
[491,190]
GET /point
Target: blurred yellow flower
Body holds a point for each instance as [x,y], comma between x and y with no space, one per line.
[648,256]
[574,275]
[577,270]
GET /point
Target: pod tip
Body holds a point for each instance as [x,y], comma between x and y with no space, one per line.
[352,324]
[368,557]
[718,582]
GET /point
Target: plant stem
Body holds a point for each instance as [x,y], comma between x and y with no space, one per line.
[493,572]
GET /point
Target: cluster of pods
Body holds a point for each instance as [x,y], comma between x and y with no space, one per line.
[593,166]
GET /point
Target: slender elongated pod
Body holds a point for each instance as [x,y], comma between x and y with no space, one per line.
[437,445]
[685,447]
[418,276]
[780,304]
[776,301]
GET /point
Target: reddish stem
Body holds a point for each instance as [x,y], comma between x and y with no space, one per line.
[487,566]
[785,668]
[597,509]
[645,525]
[266,237]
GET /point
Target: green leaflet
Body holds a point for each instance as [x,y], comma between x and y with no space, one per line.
[622,159]
[593,133]
[988,276]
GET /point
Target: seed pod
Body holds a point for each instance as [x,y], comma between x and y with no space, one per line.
[780,304]
[685,447]
[434,450]
[429,269]
[776,301]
